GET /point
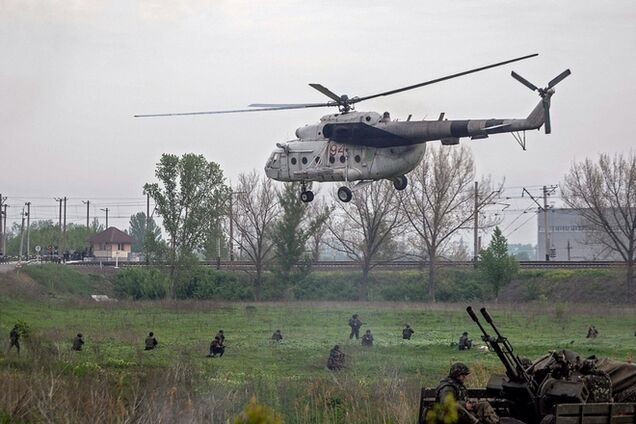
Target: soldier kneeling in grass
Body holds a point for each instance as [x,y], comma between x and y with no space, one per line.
[216,347]
[336,359]
[78,342]
[151,342]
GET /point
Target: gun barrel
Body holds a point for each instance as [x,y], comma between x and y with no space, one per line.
[486,315]
[472,314]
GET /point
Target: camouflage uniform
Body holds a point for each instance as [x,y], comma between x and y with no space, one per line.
[592,332]
[216,347]
[336,359]
[464,342]
[407,332]
[469,412]
[14,338]
[277,336]
[78,342]
[367,339]
[150,342]
[355,324]
[221,336]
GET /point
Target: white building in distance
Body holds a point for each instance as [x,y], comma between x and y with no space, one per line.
[570,238]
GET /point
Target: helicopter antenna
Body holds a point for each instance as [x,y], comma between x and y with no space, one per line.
[345,103]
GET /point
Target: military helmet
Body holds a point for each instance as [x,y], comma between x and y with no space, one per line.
[79,335]
[465,333]
[458,369]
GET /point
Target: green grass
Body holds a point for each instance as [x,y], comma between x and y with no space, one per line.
[292,375]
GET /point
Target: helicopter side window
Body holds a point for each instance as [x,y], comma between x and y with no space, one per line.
[304,160]
[342,159]
[357,158]
[332,159]
[293,161]
[317,159]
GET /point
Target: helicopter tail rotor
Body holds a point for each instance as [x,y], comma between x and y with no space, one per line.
[545,93]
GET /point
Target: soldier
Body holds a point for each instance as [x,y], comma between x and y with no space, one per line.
[407,332]
[355,324]
[221,336]
[468,411]
[277,336]
[336,359]
[592,332]
[367,338]
[464,342]
[216,347]
[14,338]
[151,342]
[78,341]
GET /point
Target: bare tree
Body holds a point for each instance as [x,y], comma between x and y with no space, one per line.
[604,193]
[363,229]
[318,214]
[441,201]
[257,208]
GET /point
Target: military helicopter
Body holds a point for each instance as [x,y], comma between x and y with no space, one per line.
[355,146]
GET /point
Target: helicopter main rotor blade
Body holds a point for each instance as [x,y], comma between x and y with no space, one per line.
[216,112]
[524,81]
[411,87]
[290,105]
[324,90]
[559,78]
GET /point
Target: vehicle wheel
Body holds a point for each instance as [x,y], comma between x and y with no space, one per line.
[400,182]
[304,197]
[344,194]
[307,196]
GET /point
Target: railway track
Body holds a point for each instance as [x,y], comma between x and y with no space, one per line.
[393,265]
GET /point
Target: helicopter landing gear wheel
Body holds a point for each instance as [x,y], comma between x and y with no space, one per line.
[307,196]
[344,194]
[400,182]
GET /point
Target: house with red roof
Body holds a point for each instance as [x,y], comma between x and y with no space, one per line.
[111,243]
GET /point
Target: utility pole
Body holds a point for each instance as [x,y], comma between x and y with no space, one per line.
[476,227]
[545,223]
[144,244]
[88,206]
[4,229]
[21,236]
[59,224]
[28,229]
[106,210]
[2,252]
[64,232]
[546,192]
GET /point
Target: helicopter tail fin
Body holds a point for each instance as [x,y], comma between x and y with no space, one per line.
[537,117]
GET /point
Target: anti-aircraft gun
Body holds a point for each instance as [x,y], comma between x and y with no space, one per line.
[523,395]
[548,391]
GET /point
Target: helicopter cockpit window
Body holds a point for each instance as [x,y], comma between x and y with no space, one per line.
[274,160]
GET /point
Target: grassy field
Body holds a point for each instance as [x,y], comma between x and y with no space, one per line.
[114,380]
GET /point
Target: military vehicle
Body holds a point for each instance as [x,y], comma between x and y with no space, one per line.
[558,388]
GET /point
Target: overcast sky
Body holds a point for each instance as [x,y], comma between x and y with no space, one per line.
[74,73]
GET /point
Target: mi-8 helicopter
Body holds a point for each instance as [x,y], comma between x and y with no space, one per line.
[354,146]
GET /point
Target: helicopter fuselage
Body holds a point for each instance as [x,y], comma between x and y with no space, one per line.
[358,146]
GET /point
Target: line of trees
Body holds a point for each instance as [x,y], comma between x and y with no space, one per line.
[275,230]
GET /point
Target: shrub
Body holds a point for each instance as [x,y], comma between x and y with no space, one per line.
[142,283]
[206,283]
